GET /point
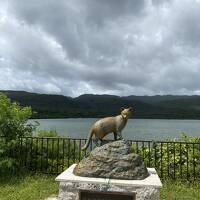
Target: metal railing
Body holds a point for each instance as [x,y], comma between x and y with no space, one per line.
[55,154]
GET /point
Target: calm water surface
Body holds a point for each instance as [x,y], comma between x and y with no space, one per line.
[141,129]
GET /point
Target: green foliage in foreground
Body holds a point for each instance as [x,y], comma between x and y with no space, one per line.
[13,125]
[46,152]
[44,133]
[39,187]
[50,154]
[13,119]
[175,160]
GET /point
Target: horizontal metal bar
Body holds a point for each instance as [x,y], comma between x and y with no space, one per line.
[145,141]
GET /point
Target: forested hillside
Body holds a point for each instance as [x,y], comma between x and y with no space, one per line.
[89,105]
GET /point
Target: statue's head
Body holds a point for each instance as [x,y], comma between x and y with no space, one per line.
[127,112]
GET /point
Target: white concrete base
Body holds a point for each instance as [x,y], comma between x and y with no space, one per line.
[70,184]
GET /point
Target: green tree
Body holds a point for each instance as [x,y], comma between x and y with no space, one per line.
[13,125]
[14,118]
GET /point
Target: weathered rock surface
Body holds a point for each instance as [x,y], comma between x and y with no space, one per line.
[113,160]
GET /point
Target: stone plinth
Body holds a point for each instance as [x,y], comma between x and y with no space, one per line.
[70,184]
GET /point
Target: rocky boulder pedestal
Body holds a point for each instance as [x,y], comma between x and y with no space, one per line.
[112,169]
[114,160]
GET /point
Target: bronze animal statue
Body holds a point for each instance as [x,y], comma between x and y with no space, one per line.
[109,125]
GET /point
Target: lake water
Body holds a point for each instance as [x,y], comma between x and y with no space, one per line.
[140,129]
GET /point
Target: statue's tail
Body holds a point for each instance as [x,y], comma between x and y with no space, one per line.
[88,141]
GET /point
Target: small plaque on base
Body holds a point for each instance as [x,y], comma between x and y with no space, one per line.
[94,195]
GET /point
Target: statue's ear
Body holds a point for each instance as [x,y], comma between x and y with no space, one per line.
[122,108]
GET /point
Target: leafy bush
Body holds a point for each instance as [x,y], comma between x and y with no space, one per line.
[45,133]
[175,159]
[13,125]
[49,152]
[13,119]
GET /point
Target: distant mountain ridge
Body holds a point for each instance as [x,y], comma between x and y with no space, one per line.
[91,105]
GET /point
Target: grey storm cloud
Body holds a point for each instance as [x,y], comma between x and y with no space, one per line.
[121,47]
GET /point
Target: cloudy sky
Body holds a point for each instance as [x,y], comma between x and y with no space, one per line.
[122,47]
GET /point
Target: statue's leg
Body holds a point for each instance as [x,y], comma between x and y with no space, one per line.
[101,142]
[115,136]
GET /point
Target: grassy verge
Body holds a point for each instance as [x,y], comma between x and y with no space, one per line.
[180,190]
[39,187]
[27,187]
